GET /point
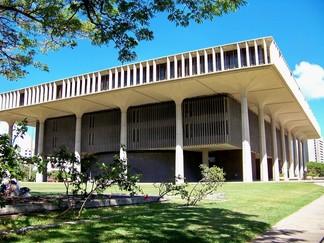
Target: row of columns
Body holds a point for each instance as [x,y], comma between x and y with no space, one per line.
[293,166]
[134,74]
[295,159]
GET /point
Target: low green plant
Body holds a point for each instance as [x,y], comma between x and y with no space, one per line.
[315,169]
[212,178]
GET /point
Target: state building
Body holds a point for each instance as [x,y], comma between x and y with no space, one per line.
[236,106]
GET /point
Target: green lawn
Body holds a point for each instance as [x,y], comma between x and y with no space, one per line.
[248,209]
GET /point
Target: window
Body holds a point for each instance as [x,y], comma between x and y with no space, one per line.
[21,99]
[91,122]
[59,91]
[210,62]
[144,75]
[179,67]
[194,65]
[91,138]
[54,126]
[230,59]
[243,57]
[161,71]
[104,82]
[218,62]
[252,55]
[131,77]
[54,142]
[171,69]
[187,67]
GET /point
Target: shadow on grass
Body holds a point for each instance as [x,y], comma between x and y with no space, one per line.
[166,223]
[280,235]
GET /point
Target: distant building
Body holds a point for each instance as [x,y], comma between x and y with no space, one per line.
[315,150]
[236,106]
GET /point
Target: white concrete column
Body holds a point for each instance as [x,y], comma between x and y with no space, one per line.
[17,99]
[10,130]
[123,76]
[68,88]
[63,89]
[83,85]
[222,58]
[283,149]
[72,81]
[93,84]
[147,72]
[99,82]
[265,49]
[214,59]
[116,78]
[256,53]
[33,95]
[238,54]
[301,160]
[205,157]
[291,159]
[40,148]
[206,61]
[154,71]
[246,147]
[190,64]
[10,100]
[141,75]
[54,91]
[183,73]
[88,84]
[263,149]
[179,158]
[134,75]
[123,134]
[78,86]
[40,143]
[168,68]
[296,157]
[247,54]
[77,141]
[110,82]
[198,62]
[175,61]
[46,89]
[29,102]
[275,159]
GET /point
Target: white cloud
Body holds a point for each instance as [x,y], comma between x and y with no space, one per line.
[310,78]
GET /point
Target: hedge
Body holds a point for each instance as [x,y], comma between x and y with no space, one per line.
[315,169]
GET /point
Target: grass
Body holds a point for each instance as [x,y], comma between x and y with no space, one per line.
[248,209]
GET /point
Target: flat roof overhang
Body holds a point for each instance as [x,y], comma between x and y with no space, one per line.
[264,83]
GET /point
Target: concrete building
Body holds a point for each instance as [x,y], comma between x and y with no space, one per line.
[236,106]
[315,151]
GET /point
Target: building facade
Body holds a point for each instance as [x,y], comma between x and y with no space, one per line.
[236,106]
[315,151]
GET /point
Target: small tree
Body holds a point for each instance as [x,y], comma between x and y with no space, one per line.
[315,169]
[212,178]
[80,182]
[11,160]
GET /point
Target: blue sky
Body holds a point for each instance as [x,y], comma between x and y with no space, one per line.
[296,25]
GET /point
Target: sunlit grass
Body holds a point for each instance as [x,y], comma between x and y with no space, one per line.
[247,210]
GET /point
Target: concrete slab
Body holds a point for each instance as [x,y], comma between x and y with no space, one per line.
[305,225]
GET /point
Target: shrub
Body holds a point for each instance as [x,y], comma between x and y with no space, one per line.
[315,169]
[212,178]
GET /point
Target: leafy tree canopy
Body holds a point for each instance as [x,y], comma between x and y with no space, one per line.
[27,27]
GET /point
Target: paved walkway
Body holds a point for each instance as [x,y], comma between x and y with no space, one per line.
[305,225]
